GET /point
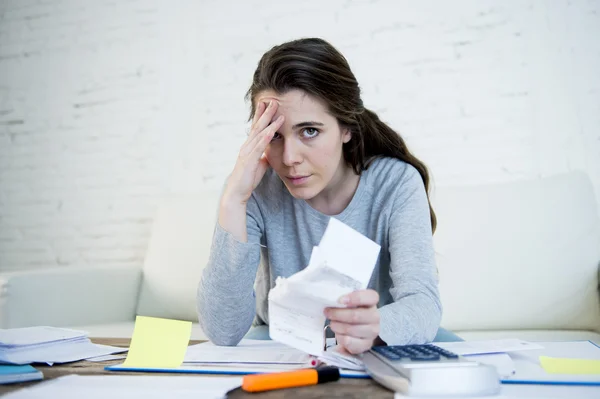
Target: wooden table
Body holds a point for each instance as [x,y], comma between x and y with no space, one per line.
[344,388]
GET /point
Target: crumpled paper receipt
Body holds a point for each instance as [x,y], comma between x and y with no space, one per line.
[342,263]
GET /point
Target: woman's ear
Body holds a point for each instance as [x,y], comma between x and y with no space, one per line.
[346,135]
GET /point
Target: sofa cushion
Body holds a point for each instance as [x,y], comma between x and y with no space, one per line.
[177,253]
[520,255]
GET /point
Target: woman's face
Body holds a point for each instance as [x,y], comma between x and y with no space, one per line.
[306,152]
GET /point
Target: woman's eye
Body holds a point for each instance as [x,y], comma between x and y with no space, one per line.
[276,136]
[310,133]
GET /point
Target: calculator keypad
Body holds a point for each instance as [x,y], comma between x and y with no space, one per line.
[416,353]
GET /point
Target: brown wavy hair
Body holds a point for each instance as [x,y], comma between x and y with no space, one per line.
[314,66]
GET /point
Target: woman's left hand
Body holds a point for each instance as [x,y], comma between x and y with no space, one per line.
[356,327]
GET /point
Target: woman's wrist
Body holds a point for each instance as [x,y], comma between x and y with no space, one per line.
[232,218]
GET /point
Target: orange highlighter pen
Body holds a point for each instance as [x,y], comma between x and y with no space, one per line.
[289,379]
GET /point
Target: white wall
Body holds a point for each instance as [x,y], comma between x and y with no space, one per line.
[107,106]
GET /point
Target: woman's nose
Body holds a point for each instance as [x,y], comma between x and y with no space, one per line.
[291,153]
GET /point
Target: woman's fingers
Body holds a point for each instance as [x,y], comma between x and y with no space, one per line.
[264,119]
[356,326]
[260,108]
[259,143]
[353,315]
[354,345]
[251,164]
[263,165]
[256,136]
[361,298]
[366,331]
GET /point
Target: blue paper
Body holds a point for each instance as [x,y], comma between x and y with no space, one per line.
[10,373]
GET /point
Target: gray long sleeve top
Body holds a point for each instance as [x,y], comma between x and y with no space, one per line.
[389,206]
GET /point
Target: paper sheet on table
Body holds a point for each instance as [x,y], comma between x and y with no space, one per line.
[555,365]
[488,346]
[131,387]
[158,342]
[502,361]
[63,352]
[12,337]
[248,351]
[343,262]
[250,356]
[43,344]
[339,357]
[529,368]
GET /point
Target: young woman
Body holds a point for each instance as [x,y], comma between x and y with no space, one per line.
[314,152]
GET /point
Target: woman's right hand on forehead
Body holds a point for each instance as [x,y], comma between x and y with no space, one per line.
[251,163]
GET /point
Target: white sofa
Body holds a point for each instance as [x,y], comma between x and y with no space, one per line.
[516,259]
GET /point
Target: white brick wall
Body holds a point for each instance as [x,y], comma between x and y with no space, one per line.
[79,99]
[105,106]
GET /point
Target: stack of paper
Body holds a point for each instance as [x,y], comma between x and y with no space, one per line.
[48,345]
[336,356]
[247,354]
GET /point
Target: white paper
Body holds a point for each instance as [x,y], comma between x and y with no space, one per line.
[349,252]
[64,352]
[342,263]
[131,387]
[250,356]
[298,327]
[336,356]
[13,337]
[248,351]
[488,346]
[502,361]
[528,367]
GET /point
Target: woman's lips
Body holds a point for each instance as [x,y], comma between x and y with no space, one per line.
[297,180]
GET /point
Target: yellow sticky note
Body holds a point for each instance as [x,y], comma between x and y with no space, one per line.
[158,343]
[554,365]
